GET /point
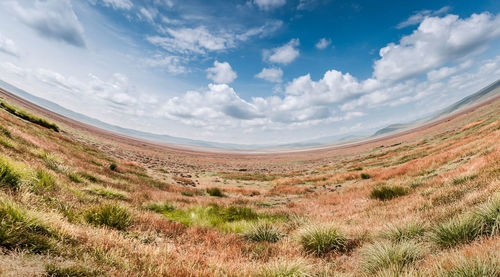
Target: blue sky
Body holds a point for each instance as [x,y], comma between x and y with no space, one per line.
[251,72]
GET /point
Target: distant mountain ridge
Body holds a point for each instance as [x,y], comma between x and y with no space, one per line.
[484,94]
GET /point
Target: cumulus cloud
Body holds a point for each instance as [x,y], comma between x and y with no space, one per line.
[53,19]
[221,73]
[323,43]
[421,15]
[435,42]
[273,75]
[8,46]
[269,4]
[284,54]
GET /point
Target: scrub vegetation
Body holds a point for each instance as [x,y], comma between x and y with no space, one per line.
[77,204]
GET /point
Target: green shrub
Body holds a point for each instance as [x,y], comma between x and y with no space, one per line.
[9,176]
[215,192]
[113,167]
[161,207]
[389,255]
[263,231]
[407,232]
[466,267]
[69,271]
[388,192]
[18,231]
[321,240]
[365,176]
[109,215]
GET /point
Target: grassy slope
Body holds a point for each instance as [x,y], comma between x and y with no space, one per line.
[65,210]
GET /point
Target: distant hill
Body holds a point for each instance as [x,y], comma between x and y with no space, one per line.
[482,95]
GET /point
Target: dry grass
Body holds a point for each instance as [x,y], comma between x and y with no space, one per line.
[80,216]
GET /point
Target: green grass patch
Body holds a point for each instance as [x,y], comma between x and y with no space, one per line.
[249,176]
[29,117]
[365,176]
[107,193]
[161,207]
[89,177]
[19,231]
[320,240]
[229,218]
[109,215]
[463,179]
[389,255]
[385,193]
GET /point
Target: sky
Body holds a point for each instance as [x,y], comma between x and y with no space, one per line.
[251,71]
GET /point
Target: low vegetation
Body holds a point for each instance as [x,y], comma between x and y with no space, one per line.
[29,117]
[109,215]
[75,204]
[384,193]
[320,240]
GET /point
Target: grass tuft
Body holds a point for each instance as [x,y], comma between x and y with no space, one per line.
[18,231]
[109,215]
[402,233]
[320,240]
[476,267]
[44,181]
[389,255]
[9,176]
[215,192]
[285,268]
[365,176]
[263,231]
[108,193]
[385,193]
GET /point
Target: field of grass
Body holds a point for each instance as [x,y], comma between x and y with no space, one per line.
[71,205]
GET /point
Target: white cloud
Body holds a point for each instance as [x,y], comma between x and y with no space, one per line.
[8,46]
[436,42]
[273,75]
[323,43]
[201,40]
[54,19]
[173,64]
[269,4]
[284,54]
[446,71]
[421,15]
[148,14]
[118,4]
[221,73]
